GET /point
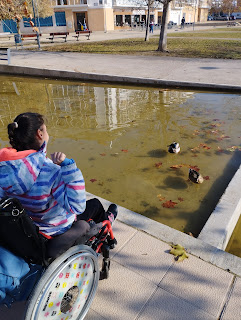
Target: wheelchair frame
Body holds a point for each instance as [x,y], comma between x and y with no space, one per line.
[68,286]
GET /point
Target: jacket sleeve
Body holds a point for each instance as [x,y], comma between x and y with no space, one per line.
[69,189]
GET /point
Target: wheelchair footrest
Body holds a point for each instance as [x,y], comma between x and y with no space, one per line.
[104,273]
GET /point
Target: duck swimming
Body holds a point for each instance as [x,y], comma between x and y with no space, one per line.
[195,176]
[174,147]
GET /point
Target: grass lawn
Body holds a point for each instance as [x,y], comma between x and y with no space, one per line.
[185,47]
[211,34]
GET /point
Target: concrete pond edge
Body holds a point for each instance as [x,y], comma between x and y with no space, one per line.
[124,80]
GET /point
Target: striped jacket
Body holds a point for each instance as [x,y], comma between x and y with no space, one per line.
[52,195]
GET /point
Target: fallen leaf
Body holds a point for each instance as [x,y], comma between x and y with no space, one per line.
[180,199]
[124,150]
[93,180]
[206,178]
[190,234]
[179,252]
[102,154]
[182,257]
[169,204]
[160,197]
[158,165]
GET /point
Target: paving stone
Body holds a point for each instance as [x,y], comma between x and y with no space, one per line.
[123,234]
[233,308]
[122,295]
[147,256]
[164,305]
[199,283]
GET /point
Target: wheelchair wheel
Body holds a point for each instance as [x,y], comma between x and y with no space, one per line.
[67,287]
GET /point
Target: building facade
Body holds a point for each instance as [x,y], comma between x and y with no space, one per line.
[109,15]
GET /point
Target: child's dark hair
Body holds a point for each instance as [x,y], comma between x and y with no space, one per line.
[22,132]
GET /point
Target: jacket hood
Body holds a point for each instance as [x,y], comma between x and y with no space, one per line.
[19,170]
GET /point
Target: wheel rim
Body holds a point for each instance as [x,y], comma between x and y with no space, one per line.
[68,292]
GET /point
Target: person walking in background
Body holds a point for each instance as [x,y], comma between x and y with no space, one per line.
[151,26]
[182,23]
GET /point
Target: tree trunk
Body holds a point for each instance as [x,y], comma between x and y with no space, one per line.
[148,21]
[163,33]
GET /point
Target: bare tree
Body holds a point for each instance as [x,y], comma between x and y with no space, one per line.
[162,45]
[17,9]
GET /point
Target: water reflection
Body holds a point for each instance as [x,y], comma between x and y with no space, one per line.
[119,136]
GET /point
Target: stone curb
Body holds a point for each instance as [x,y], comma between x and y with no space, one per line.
[92,77]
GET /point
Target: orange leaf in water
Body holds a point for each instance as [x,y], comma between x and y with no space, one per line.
[159,196]
[204,146]
[206,178]
[102,154]
[194,167]
[180,199]
[93,180]
[124,150]
[158,165]
[176,166]
[169,204]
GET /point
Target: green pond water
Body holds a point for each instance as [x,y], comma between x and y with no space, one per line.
[119,136]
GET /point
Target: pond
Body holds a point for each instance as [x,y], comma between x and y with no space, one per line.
[119,137]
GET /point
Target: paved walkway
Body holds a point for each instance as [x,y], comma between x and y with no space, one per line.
[144,70]
[145,282]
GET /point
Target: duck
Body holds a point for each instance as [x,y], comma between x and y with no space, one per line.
[195,176]
[174,147]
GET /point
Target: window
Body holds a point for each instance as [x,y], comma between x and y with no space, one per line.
[100,1]
[9,26]
[60,19]
[61,2]
[119,20]
[43,22]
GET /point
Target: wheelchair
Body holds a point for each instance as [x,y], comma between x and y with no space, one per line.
[68,282]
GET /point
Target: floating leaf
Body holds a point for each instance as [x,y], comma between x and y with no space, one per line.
[194,167]
[180,199]
[179,252]
[234,148]
[158,165]
[160,197]
[124,150]
[93,180]
[206,178]
[169,204]
[204,146]
[176,166]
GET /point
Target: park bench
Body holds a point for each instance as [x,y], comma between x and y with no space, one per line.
[54,35]
[86,33]
[6,35]
[231,23]
[5,54]
[32,36]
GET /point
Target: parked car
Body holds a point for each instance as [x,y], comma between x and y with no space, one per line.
[232,18]
[210,18]
[223,17]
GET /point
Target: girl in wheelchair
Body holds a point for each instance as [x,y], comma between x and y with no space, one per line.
[52,193]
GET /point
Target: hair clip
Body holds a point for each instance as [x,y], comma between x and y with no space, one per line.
[16,125]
